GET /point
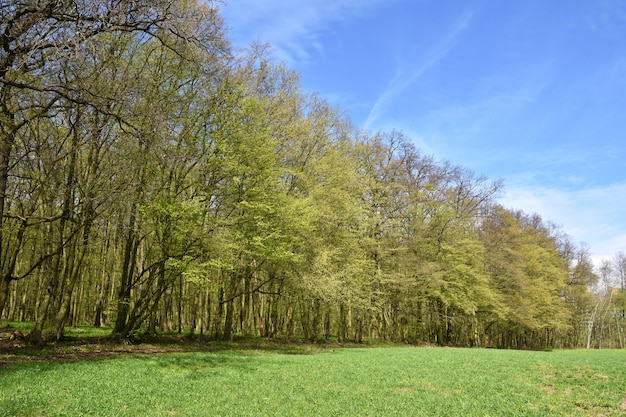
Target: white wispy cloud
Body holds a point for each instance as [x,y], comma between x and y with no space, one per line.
[292,27]
[592,215]
[470,132]
[408,74]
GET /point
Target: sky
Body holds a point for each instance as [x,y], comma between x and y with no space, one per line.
[532,92]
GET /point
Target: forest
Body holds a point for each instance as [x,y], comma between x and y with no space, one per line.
[155,179]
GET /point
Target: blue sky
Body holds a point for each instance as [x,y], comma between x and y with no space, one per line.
[533,92]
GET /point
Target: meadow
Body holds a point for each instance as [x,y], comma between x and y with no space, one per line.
[312,381]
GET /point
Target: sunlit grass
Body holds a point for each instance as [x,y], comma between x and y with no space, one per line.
[340,382]
[87,331]
[70,331]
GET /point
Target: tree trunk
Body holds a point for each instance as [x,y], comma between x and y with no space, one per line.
[290,325]
[327,324]
[590,325]
[180,304]
[64,310]
[4,294]
[7,139]
[342,325]
[228,321]
[126,277]
[219,315]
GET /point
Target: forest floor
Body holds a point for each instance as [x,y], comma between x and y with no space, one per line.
[14,346]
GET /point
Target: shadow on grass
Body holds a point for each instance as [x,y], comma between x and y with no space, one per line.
[79,348]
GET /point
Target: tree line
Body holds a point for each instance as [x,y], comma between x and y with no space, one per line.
[153,179]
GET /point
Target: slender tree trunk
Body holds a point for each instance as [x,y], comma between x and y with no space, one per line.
[590,325]
[290,325]
[231,294]
[246,311]
[13,303]
[126,278]
[4,294]
[620,337]
[65,295]
[315,322]
[7,139]
[219,314]
[180,304]
[52,285]
[64,310]
[359,327]
[9,264]
[327,322]
[77,308]
[228,321]
[41,311]
[342,325]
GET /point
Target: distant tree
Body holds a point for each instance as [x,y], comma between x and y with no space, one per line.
[530,275]
[582,301]
[620,269]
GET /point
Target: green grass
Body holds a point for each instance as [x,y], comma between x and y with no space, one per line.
[78,331]
[87,331]
[338,382]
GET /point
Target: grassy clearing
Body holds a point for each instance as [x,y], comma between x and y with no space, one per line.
[337,382]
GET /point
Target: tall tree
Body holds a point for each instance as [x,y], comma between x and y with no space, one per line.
[39,41]
[620,269]
[528,271]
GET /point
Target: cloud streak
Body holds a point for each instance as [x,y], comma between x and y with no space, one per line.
[292,27]
[405,77]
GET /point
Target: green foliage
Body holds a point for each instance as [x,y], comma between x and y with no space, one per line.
[464,282]
[527,270]
[156,178]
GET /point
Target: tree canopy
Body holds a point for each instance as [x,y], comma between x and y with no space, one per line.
[152,179]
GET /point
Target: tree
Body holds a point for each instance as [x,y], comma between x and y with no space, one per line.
[582,301]
[620,268]
[530,275]
[150,180]
[42,46]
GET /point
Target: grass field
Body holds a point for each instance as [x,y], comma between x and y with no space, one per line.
[330,382]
